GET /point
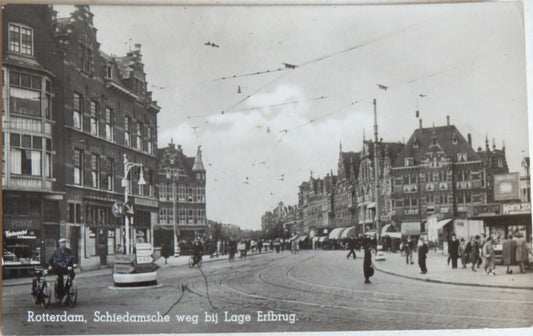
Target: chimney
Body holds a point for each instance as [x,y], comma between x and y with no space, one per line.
[448,120]
[469,139]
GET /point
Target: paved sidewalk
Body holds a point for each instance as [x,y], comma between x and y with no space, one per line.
[439,271]
[171,261]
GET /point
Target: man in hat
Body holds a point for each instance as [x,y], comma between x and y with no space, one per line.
[62,261]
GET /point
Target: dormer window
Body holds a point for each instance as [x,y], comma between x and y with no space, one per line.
[461,157]
[434,140]
[408,162]
[109,71]
[20,39]
[415,143]
[454,139]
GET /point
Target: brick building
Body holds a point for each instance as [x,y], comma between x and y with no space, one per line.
[88,113]
[182,196]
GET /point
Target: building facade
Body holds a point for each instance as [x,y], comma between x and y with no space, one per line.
[31,191]
[81,117]
[182,196]
[439,174]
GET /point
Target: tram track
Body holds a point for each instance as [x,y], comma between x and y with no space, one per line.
[234,291]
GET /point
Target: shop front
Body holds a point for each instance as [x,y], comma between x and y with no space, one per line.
[504,219]
[30,227]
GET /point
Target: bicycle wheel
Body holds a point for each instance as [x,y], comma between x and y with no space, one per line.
[72,294]
[46,295]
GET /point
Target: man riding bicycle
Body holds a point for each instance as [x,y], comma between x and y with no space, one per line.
[197,251]
[62,261]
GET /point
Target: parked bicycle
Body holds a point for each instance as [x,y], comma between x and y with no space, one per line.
[40,288]
[69,292]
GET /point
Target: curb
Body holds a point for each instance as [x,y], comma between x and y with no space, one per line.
[451,282]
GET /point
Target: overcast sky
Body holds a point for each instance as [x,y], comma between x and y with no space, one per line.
[462,60]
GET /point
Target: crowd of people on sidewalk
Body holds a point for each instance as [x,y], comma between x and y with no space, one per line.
[478,253]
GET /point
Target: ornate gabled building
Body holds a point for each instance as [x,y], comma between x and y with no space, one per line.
[182,196]
[315,201]
[107,117]
[344,198]
[439,174]
[366,198]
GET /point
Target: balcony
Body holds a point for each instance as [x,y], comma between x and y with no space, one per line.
[461,185]
[28,183]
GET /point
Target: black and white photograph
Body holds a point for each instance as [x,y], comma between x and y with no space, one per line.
[181,168]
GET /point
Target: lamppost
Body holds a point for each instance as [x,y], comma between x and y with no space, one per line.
[126,183]
[133,269]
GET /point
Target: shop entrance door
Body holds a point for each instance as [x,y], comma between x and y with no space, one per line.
[74,242]
[101,245]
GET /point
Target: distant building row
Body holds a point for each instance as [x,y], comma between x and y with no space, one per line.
[436,175]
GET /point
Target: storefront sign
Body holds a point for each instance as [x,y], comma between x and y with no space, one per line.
[516,208]
[146,202]
[486,209]
[506,187]
[15,224]
[20,234]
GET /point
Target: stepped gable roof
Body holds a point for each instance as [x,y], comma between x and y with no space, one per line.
[351,162]
[171,156]
[435,139]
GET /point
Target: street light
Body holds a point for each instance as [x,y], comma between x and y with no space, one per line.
[125,183]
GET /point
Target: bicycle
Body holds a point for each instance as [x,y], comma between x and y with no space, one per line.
[70,290]
[40,288]
[195,260]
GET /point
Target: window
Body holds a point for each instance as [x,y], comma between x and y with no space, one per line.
[461,157]
[76,111]
[48,158]
[20,39]
[94,118]
[127,134]
[149,147]
[78,167]
[454,139]
[408,162]
[86,59]
[171,215]
[182,219]
[163,215]
[26,154]
[107,172]
[24,94]
[109,123]
[139,136]
[95,169]
[109,71]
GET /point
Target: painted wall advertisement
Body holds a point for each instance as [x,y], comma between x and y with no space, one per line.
[507,187]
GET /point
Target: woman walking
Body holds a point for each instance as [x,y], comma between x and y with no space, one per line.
[508,251]
[488,257]
[368,270]
[522,251]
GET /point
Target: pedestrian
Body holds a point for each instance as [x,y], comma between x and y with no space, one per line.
[166,251]
[522,251]
[408,248]
[488,257]
[462,252]
[508,250]
[474,251]
[422,254]
[351,246]
[481,241]
[453,250]
[368,269]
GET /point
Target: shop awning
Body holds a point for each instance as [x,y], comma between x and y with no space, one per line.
[336,233]
[385,228]
[348,232]
[440,224]
[410,228]
[315,239]
[392,234]
[302,238]
[371,233]
[293,237]
[323,238]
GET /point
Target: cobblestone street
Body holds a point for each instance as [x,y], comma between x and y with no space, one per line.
[319,290]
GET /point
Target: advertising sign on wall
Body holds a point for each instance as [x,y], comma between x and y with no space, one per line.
[507,187]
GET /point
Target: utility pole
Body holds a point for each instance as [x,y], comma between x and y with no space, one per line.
[376,171]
